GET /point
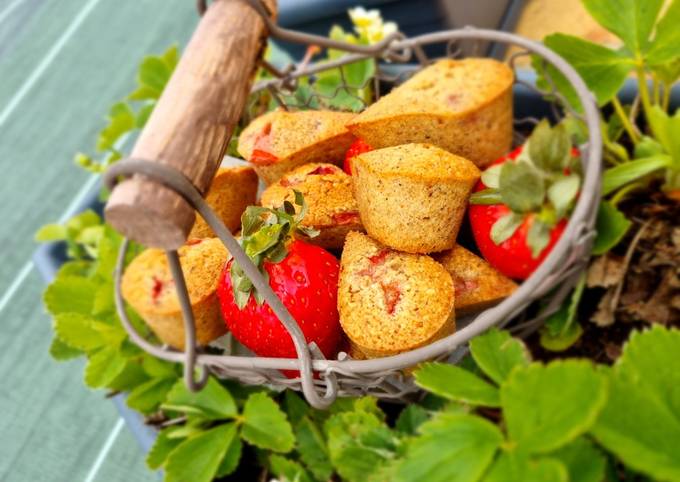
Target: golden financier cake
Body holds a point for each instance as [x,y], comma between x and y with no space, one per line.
[149,288]
[331,207]
[477,284]
[232,190]
[390,302]
[413,197]
[463,106]
[279,141]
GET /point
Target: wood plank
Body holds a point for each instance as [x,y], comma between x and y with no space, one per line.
[53,427]
[67,107]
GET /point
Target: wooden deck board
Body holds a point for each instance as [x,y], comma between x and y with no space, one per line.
[53,428]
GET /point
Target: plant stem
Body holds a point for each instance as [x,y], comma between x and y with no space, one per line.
[625,121]
[655,89]
[611,157]
[644,90]
[666,98]
[624,191]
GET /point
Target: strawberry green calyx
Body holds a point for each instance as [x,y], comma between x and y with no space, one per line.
[542,183]
[265,232]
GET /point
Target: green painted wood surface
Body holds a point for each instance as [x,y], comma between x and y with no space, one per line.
[57,79]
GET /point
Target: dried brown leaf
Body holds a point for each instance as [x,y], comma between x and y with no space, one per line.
[606,271]
[675,238]
[604,315]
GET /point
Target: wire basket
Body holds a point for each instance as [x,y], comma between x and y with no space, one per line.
[395,58]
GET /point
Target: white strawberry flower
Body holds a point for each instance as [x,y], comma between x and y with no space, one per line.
[369,25]
[362,18]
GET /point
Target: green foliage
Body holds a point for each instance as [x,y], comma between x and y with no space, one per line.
[546,407]
[360,444]
[562,329]
[452,447]
[213,402]
[311,445]
[265,425]
[518,467]
[603,68]
[81,233]
[455,383]
[611,225]
[288,470]
[198,457]
[584,462]
[620,175]
[651,49]
[640,422]
[497,353]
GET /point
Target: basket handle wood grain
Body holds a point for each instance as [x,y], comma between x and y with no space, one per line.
[192,123]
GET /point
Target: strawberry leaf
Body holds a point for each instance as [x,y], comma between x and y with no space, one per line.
[505,227]
[549,148]
[497,353]
[604,70]
[582,460]
[287,469]
[198,457]
[486,197]
[630,20]
[611,226]
[265,238]
[561,330]
[251,220]
[452,447]
[538,237]
[491,176]
[547,406]
[278,253]
[213,402]
[265,425]
[639,423]
[160,449]
[622,174]
[562,193]
[455,383]
[521,187]
[666,45]
[517,466]
[288,207]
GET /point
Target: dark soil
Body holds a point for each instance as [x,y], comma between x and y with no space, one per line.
[633,286]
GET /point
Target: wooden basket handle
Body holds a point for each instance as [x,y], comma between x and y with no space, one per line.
[192,123]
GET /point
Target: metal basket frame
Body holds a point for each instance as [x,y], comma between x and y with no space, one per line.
[382,377]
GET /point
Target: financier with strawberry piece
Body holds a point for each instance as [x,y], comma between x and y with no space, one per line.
[522,203]
[331,207]
[280,141]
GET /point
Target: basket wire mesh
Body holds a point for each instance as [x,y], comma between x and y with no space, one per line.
[395,59]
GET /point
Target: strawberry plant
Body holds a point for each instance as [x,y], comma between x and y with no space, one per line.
[641,181]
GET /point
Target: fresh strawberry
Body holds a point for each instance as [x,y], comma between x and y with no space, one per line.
[303,276]
[357,147]
[522,202]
